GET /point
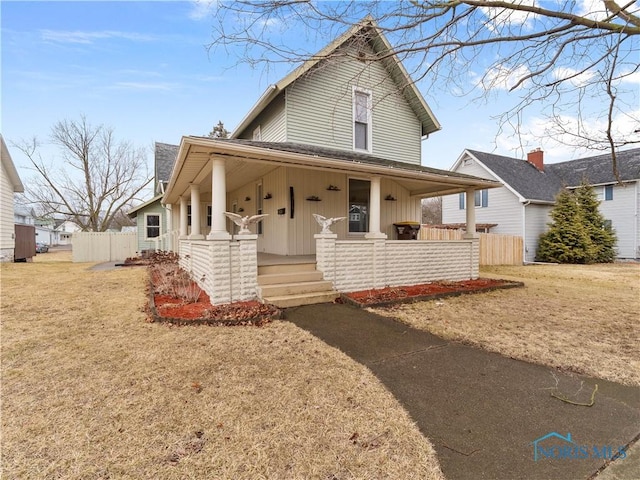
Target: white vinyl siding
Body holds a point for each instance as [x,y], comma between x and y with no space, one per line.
[536,219]
[7,228]
[320,110]
[622,210]
[503,206]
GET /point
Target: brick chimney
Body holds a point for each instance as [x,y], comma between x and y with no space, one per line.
[536,158]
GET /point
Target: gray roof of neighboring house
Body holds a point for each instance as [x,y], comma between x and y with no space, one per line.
[165,157]
[599,169]
[533,185]
[524,178]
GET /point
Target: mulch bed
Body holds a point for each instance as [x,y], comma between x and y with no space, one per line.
[428,291]
[176,311]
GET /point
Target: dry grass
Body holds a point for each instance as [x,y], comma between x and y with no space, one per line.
[89,390]
[582,318]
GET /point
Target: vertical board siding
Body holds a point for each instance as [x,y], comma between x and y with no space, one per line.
[319,109]
[404,208]
[495,249]
[103,246]
[275,227]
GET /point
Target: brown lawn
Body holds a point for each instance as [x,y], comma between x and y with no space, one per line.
[583,318]
[90,390]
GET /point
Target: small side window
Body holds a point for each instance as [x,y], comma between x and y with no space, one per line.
[461,201]
[608,192]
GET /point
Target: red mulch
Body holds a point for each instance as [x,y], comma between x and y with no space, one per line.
[425,291]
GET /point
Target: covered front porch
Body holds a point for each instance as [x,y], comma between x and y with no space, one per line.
[288,183]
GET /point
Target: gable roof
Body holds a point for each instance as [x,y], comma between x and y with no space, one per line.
[598,169]
[165,157]
[526,180]
[366,28]
[533,185]
[10,168]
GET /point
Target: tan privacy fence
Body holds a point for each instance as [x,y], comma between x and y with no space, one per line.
[104,246]
[495,249]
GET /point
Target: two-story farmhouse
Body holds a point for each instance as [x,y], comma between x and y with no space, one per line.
[522,205]
[339,137]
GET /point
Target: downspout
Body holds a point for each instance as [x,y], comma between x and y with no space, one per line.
[524,231]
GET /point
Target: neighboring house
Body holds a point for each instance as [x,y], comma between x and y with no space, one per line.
[10,184]
[152,221]
[340,137]
[64,231]
[522,206]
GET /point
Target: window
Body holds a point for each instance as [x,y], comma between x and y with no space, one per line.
[257,134]
[152,225]
[359,205]
[481,199]
[362,120]
[608,192]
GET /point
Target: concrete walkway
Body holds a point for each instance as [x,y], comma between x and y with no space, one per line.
[482,411]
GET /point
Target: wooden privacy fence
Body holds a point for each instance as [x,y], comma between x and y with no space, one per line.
[103,246]
[495,249]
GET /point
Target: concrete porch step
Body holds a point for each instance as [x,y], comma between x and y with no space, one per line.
[285,268]
[286,301]
[289,277]
[282,289]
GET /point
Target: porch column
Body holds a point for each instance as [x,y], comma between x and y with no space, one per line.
[471,214]
[195,213]
[218,201]
[374,210]
[184,227]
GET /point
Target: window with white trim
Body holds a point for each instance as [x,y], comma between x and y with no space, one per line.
[361,119]
[608,192]
[481,199]
[152,225]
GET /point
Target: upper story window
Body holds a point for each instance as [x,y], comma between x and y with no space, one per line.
[608,192]
[257,134]
[361,119]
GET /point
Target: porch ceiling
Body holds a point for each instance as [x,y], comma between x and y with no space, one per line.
[249,161]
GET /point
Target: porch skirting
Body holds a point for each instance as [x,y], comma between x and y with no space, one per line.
[354,265]
[227,270]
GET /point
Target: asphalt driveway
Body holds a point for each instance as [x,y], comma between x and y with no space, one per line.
[488,416]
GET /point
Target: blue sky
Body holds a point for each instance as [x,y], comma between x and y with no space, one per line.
[143,69]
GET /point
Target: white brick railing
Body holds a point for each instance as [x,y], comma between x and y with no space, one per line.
[227,270]
[354,265]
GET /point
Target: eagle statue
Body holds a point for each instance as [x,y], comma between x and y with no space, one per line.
[244,222]
[325,222]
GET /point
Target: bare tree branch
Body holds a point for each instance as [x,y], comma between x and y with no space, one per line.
[549,55]
[97,179]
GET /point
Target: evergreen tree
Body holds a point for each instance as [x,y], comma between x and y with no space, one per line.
[602,236]
[219,131]
[577,232]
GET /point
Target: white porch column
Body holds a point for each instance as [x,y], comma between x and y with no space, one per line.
[184,227]
[471,214]
[218,201]
[195,213]
[374,210]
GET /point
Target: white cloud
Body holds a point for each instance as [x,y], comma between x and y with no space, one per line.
[503,78]
[80,37]
[575,77]
[201,9]
[500,17]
